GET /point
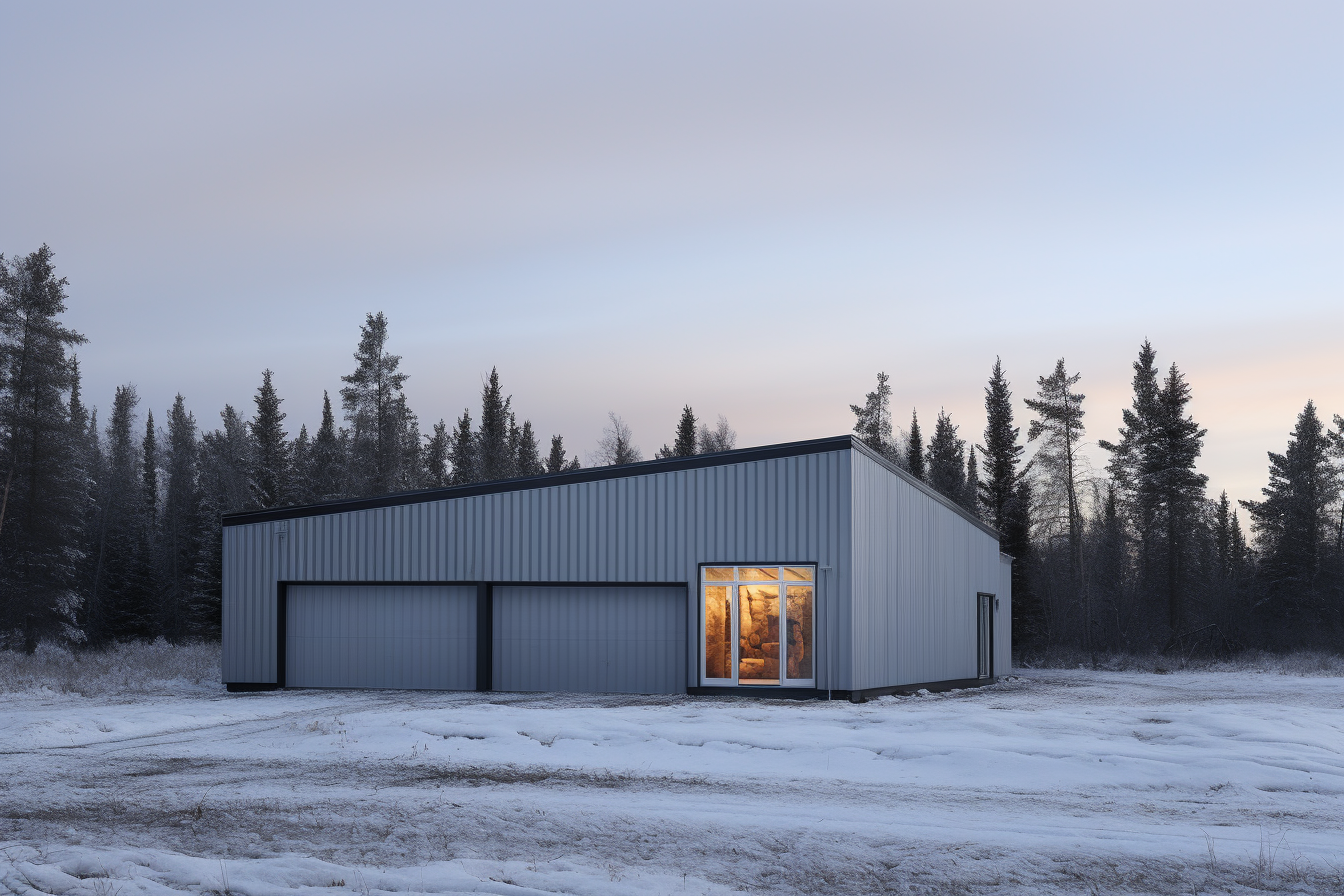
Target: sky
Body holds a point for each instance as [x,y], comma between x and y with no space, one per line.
[746,207]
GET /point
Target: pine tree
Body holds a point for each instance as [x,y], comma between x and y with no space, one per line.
[270,455]
[41,477]
[872,420]
[1059,426]
[495,457]
[914,457]
[376,409]
[328,466]
[462,455]
[720,438]
[1292,525]
[947,459]
[616,445]
[438,448]
[970,496]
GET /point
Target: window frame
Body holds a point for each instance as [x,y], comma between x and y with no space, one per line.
[733,585]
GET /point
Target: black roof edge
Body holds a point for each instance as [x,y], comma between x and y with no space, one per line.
[592,474]
[863,448]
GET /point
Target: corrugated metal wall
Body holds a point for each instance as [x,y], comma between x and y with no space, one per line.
[917,568]
[654,527]
[1003,621]
[380,636]
[590,639]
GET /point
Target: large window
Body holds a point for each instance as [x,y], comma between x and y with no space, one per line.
[757,625]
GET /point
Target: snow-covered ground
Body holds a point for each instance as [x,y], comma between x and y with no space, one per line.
[1053,781]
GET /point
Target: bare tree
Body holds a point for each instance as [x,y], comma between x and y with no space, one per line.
[616,445]
[720,438]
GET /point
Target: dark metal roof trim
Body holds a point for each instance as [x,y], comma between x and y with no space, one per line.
[592,474]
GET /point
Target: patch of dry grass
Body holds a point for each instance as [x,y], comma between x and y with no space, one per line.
[1305,663]
[131,668]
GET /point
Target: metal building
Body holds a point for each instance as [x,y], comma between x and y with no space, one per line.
[809,568]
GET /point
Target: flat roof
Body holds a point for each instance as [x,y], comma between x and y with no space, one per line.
[595,474]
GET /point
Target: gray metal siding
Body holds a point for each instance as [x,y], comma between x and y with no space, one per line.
[1003,619]
[380,636]
[649,528]
[917,568]
[591,639]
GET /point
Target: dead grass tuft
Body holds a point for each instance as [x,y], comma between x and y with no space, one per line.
[132,668]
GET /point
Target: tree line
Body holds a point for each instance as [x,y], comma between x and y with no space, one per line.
[111,531]
[1139,557]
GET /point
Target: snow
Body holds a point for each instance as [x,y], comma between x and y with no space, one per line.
[1052,781]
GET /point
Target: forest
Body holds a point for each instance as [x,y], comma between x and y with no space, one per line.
[110,531]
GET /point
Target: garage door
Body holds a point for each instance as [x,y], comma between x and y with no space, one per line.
[380,636]
[622,639]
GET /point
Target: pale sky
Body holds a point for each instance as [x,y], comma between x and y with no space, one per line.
[748,207]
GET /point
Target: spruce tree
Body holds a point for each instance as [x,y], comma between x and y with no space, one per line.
[376,409]
[1059,426]
[438,449]
[685,442]
[970,496]
[226,465]
[1002,450]
[947,459]
[462,455]
[1167,469]
[914,457]
[149,473]
[555,460]
[1138,498]
[1336,438]
[1292,525]
[529,453]
[299,483]
[684,445]
[181,530]
[41,474]
[121,606]
[872,420]
[270,446]
[495,457]
[328,465]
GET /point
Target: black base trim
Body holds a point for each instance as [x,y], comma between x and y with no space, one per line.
[766,693]
[242,687]
[905,690]
[861,696]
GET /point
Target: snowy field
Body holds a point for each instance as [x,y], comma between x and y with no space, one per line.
[1049,782]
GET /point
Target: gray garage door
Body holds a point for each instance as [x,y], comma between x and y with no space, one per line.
[380,636]
[590,639]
